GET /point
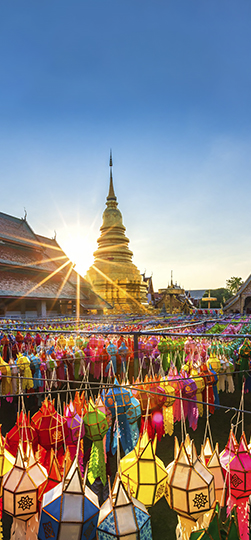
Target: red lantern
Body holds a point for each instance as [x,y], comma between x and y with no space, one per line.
[22,431]
[51,427]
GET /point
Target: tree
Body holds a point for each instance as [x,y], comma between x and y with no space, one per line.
[233,284]
[221,294]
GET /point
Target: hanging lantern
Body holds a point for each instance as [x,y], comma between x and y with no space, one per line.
[206,451]
[122,516]
[190,486]
[229,451]
[54,477]
[22,431]
[144,471]
[118,400]
[96,426]
[211,460]
[51,427]
[240,470]
[73,423]
[20,487]
[70,510]
[133,415]
[7,461]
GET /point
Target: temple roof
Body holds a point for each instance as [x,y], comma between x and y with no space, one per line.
[17,230]
[35,266]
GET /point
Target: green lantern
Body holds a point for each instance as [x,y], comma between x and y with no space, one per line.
[96,426]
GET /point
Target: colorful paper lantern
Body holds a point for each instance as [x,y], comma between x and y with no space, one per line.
[54,477]
[190,487]
[22,431]
[118,400]
[51,427]
[122,516]
[73,423]
[144,471]
[96,426]
[70,510]
[229,451]
[240,470]
[213,464]
[20,487]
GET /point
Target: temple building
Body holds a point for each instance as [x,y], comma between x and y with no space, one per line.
[173,299]
[37,279]
[113,275]
[241,301]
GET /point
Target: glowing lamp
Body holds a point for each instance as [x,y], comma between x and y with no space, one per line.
[190,486]
[144,471]
[122,516]
[20,490]
[70,510]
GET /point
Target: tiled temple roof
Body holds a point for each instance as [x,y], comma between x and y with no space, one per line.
[26,259]
[22,256]
[16,230]
[16,284]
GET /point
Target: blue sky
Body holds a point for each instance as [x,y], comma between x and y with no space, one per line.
[167,85]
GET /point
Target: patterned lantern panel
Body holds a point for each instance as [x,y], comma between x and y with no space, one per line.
[69,511]
[51,427]
[144,471]
[20,493]
[190,486]
[240,470]
[122,516]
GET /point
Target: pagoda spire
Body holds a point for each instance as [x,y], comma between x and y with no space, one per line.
[111,194]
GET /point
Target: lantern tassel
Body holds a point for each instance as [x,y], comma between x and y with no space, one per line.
[97,466]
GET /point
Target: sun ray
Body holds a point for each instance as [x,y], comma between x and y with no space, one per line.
[33,242]
[125,293]
[45,279]
[62,285]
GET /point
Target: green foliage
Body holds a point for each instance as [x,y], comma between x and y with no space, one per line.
[221,294]
[233,284]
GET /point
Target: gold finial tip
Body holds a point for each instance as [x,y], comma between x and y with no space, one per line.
[111,158]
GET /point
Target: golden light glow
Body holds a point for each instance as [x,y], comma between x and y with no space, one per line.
[79,249]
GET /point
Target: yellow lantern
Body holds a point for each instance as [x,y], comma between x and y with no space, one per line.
[144,471]
[190,486]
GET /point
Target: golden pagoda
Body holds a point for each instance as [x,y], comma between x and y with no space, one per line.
[113,275]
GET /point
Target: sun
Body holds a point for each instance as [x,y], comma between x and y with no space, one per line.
[79,248]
